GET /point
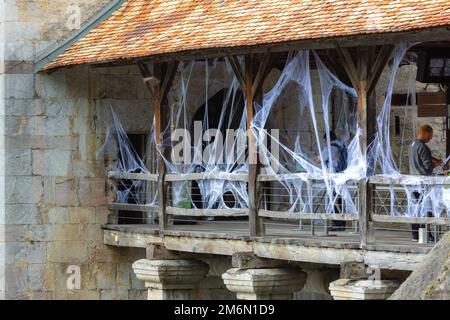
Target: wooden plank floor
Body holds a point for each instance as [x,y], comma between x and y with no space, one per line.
[390,240]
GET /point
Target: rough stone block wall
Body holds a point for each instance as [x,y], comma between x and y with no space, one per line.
[54,185]
[408,115]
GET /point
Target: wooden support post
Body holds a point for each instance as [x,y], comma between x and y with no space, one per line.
[364,75]
[159,125]
[369,235]
[447,124]
[251,81]
[364,202]
[255,229]
[260,228]
[162,78]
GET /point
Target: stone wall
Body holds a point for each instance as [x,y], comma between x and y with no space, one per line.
[407,116]
[52,180]
[55,195]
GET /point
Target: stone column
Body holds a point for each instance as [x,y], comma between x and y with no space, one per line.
[317,283]
[347,289]
[265,283]
[170,279]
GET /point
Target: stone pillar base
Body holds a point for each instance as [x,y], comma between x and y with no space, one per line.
[170,279]
[264,284]
[346,289]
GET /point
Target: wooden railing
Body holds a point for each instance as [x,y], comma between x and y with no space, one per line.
[139,192]
[273,202]
[186,182]
[308,200]
[390,199]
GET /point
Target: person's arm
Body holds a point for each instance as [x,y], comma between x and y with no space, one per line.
[426,159]
[437,162]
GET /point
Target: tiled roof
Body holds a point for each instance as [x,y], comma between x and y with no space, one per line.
[142,28]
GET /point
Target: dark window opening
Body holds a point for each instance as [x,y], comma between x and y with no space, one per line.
[231,115]
[397,125]
[138,142]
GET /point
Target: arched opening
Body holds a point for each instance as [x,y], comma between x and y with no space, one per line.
[223,111]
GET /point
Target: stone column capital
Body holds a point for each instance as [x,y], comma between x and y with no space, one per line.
[170,279]
[347,289]
[261,284]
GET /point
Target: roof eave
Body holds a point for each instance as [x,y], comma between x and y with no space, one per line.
[54,51]
[412,36]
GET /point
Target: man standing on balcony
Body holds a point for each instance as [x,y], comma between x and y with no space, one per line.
[422,163]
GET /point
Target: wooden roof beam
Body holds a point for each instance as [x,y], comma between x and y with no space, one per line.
[378,66]
[237,69]
[349,65]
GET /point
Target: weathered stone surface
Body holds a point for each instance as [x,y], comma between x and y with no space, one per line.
[101,215]
[114,294]
[41,232]
[264,284]
[52,115]
[91,191]
[77,81]
[212,288]
[158,252]
[21,107]
[15,280]
[87,168]
[346,289]
[317,283]
[170,279]
[42,142]
[50,190]
[58,215]
[52,163]
[218,265]
[67,232]
[98,252]
[23,189]
[353,270]
[19,31]
[17,163]
[248,260]
[97,85]
[36,276]
[14,233]
[19,50]
[121,87]
[51,86]
[41,295]
[66,192]
[430,279]
[137,294]
[40,128]
[19,86]
[58,126]
[82,215]
[61,107]
[77,295]
[104,274]
[63,251]
[91,232]
[27,252]
[124,272]
[15,67]
[22,214]
[136,284]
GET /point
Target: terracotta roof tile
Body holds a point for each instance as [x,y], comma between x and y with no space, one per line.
[144,28]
